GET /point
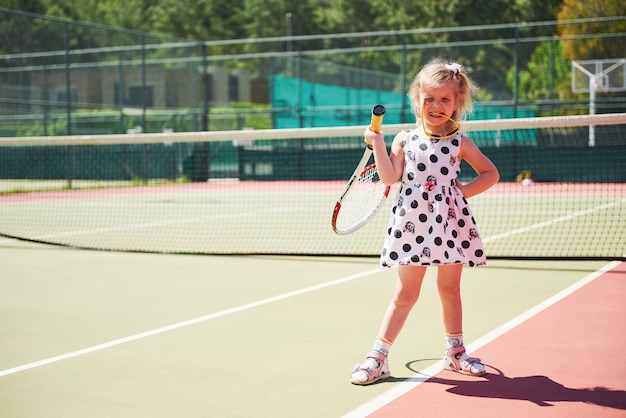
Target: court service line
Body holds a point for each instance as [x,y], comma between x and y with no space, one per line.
[187,323]
[157,224]
[554,221]
[419,378]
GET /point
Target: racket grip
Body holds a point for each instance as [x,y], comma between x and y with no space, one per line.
[377,118]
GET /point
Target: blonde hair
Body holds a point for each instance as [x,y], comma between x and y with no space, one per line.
[436,73]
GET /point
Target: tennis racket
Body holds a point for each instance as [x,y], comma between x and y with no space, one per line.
[365,192]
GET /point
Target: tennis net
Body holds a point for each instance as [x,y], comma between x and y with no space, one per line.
[562,192]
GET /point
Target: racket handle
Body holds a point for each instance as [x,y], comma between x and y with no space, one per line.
[377,118]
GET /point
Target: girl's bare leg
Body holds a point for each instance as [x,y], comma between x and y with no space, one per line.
[449,286]
[407,292]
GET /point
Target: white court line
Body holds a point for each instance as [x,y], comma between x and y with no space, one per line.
[186,323]
[226,216]
[419,378]
[262,302]
[554,221]
[156,224]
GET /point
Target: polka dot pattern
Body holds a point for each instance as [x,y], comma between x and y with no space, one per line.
[431,222]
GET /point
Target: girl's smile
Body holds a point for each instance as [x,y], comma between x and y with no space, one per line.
[438,105]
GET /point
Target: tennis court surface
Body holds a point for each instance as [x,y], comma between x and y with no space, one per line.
[102,334]
[196,274]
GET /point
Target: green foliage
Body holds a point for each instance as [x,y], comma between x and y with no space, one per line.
[234,116]
[546,75]
[594,47]
[210,20]
[239,116]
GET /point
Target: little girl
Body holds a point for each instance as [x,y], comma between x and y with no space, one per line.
[431,223]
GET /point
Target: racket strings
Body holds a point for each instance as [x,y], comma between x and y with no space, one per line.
[365,196]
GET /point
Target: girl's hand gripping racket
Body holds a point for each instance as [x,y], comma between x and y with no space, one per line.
[365,193]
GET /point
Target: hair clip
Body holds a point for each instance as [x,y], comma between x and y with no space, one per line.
[454,67]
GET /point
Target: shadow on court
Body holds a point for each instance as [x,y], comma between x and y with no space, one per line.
[540,390]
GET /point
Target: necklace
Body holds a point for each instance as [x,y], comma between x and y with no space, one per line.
[437,137]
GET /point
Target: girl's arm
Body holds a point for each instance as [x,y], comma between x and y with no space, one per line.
[488,174]
[389,166]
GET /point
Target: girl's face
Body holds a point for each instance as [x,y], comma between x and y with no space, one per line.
[435,101]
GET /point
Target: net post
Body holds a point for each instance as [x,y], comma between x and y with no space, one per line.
[592,110]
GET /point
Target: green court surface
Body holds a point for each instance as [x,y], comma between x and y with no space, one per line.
[108,334]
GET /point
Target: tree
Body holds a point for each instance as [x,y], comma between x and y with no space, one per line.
[546,75]
[592,47]
[22,33]
[489,57]
[202,20]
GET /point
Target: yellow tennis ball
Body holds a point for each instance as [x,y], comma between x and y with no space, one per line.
[565,186]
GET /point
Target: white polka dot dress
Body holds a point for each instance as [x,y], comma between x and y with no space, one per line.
[431,222]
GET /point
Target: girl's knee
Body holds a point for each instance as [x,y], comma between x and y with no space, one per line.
[405,298]
[449,290]
[449,296]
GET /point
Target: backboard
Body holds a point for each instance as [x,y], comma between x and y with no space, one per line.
[606,75]
[592,76]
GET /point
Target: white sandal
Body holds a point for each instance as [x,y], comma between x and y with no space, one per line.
[456,359]
[363,375]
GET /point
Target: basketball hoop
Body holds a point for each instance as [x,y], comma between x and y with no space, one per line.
[592,76]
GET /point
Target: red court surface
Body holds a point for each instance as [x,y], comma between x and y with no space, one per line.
[567,360]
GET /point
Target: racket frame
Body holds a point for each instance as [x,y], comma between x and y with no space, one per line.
[361,168]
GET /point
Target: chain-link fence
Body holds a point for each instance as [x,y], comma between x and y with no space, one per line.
[63,77]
